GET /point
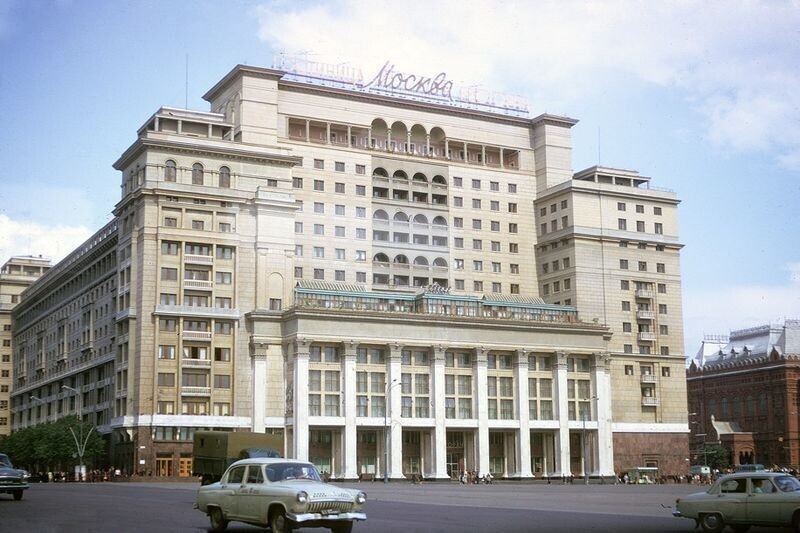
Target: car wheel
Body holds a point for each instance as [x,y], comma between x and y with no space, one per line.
[218,522]
[344,527]
[712,523]
[279,523]
[17,495]
[741,528]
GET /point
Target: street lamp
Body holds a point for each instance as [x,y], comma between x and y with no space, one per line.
[387,428]
[80,443]
[704,452]
[585,452]
[41,402]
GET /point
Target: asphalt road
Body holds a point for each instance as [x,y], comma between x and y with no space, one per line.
[393,508]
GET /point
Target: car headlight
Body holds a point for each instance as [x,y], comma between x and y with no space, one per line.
[302,497]
[361,498]
[25,474]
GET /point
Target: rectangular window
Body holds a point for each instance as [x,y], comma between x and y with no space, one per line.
[298,227]
[622,224]
[476,184]
[169,274]
[319,164]
[512,228]
[477,286]
[361,190]
[224,227]
[361,169]
[222,381]
[623,264]
[166,379]
[319,273]
[198,225]
[642,266]
[338,231]
[658,228]
[476,223]
[476,203]
[338,166]
[494,205]
[319,185]
[319,229]
[660,268]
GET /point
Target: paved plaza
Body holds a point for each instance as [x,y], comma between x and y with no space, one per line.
[396,507]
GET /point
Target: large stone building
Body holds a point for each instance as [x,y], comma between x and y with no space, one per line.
[358,267]
[744,395]
[15,276]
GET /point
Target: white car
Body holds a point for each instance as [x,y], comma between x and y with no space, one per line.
[282,494]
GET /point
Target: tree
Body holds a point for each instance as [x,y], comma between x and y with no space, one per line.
[716,456]
[51,446]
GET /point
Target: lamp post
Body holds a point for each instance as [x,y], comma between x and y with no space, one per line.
[387,429]
[40,402]
[585,451]
[704,452]
[80,442]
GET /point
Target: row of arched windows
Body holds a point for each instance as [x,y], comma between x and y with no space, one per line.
[380,214]
[401,259]
[198,174]
[419,177]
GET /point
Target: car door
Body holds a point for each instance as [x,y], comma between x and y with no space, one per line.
[249,496]
[763,501]
[229,497]
[731,500]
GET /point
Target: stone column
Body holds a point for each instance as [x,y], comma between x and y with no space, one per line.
[308,130]
[369,137]
[482,410]
[388,139]
[466,153]
[394,404]
[349,136]
[327,133]
[483,155]
[446,149]
[523,448]
[439,470]
[300,399]
[408,141]
[350,467]
[258,358]
[502,162]
[601,374]
[560,391]
[428,144]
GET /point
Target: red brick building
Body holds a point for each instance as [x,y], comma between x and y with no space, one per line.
[750,387]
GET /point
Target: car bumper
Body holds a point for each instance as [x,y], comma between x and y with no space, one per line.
[7,487]
[317,517]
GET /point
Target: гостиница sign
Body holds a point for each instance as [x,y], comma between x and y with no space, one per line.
[388,78]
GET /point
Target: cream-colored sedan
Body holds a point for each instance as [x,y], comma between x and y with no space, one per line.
[745,499]
[282,494]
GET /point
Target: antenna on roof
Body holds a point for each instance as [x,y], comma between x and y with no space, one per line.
[598,146]
[186,94]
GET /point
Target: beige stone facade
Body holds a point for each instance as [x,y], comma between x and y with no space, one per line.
[15,276]
[358,272]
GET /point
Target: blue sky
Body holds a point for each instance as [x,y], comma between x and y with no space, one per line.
[704,97]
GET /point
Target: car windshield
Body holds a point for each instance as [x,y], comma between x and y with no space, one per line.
[5,461]
[289,471]
[787,483]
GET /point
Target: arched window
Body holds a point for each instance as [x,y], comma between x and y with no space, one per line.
[419,260]
[381,258]
[225,177]
[197,174]
[170,171]
[440,262]
[400,175]
[420,219]
[401,259]
[439,221]
[420,177]
[380,172]
[400,217]
[439,180]
[380,214]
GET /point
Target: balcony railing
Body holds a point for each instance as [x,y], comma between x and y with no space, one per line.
[191,335]
[198,259]
[195,363]
[647,336]
[198,284]
[646,315]
[195,391]
[649,400]
[648,378]
[645,294]
[196,310]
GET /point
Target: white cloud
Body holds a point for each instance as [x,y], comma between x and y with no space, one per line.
[719,310]
[735,62]
[31,238]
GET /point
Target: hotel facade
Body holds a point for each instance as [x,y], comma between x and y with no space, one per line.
[396,280]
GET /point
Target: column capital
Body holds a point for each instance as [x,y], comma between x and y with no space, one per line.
[395,350]
[601,361]
[301,347]
[350,347]
[561,359]
[258,350]
[481,353]
[522,357]
[439,351]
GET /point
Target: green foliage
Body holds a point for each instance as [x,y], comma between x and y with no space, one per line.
[52,446]
[716,456]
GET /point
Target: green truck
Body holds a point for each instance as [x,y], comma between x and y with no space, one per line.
[214,451]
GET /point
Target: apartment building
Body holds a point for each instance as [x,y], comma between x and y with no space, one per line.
[351,266]
[15,275]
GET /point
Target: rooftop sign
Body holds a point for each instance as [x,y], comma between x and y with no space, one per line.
[391,82]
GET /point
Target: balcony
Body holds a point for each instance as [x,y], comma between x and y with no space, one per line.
[202,284]
[196,310]
[195,363]
[198,259]
[649,378]
[645,315]
[195,391]
[190,335]
[645,294]
[649,401]
[647,336]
